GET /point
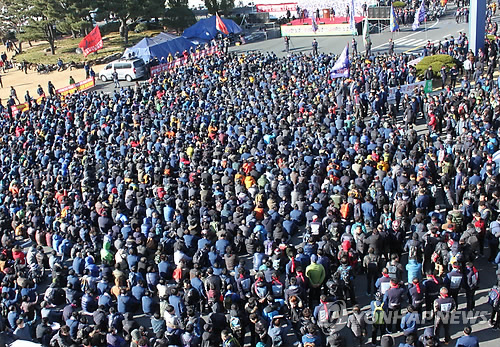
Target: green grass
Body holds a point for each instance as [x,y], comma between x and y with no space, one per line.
[65,48]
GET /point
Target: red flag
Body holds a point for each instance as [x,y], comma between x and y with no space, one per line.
[219,25]
[92,42]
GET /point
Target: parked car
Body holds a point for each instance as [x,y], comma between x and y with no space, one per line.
[130,69]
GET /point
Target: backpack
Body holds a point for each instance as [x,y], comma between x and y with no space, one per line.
[246,284]
[384,287]
[435,257]
[494,297]
[200,257]
[345,210]
[373,263]
[345,274]
[413,252]
[379,314]
[392,271]
[213,296]
[235,324]
[474,283]
[277,289]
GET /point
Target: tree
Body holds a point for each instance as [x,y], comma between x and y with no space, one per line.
[12,20]
[224,6]
[179,18]
[126,10]
[77,19]
[43,16]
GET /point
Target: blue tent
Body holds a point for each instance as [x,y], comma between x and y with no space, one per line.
[159,46]
[205,29]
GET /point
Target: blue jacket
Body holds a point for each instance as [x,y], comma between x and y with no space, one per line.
[178,305]
[467,341]
[409,323]
[414,270]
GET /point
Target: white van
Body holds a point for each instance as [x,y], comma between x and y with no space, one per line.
[127,70]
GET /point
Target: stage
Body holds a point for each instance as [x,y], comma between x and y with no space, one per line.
[326,27]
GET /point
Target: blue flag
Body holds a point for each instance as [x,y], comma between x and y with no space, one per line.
[341,67]
[393,21]
[314,23]
[419,16]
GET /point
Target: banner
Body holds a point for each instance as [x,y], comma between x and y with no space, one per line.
[40,99]
[92,42]
[19,108]
[77,87]
[292,7]
[409,89]
[341,67]
[183,60]
[415,61]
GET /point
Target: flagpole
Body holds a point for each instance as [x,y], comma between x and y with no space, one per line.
[425,23]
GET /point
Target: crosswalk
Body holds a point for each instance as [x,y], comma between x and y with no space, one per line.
[404,42]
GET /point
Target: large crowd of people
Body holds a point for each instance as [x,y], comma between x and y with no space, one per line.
[253,199]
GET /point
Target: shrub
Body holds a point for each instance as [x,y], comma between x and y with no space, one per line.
[436,61]
[139,28]
[397,4]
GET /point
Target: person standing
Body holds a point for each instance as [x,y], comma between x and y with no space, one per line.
[368,49]
[347,12]
[13,94]
[315,47]
[51,88]
[444,76]
[87,69]
[354,47]
[443,307]
[114,75]
[379,311]
[357,323]
[287,43]
[71,80]
[316,274]
[471,285]
[391,47]
[1,83]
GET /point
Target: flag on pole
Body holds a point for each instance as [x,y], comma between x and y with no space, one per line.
[219,25]
[314,23]
[352,21]
[341,67]
[366,31]
[92,42]
[393,21]
[419,16]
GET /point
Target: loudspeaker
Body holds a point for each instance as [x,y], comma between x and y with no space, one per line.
[379,12]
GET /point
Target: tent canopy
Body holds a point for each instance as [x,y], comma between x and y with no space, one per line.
[159,46]
[205,29]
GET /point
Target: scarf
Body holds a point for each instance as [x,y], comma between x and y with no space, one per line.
[418,287]
[301,276]
[385,275]
[325,307]
[434,279]
[292,266]
[444,296]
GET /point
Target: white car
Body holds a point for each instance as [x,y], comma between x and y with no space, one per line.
[129,70]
